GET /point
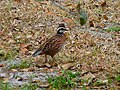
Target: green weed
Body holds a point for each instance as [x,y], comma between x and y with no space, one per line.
[8,55]
[100,82]
[30,86]
[5,86]
[65,81]
[113,29]
[23,64]
[117,78]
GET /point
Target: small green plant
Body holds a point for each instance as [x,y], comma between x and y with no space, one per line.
[110,80]
[8,55]
[66,80]
[100,82]
[5,86]
[84,88]
[117,78]
[30,86]
[113,28]
[23,64]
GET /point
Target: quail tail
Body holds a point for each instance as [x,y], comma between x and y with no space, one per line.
[38,52]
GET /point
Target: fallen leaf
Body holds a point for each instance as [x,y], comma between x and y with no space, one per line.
[44,86]
[92,24]
[88,77]
[18,1]
[14,70]
[19,78]
[44,65]
[105,17]
[69,22]
[25,70]
[24,48]
[1,33]
[102,3]
[5,80]
[67,65]
[2,65]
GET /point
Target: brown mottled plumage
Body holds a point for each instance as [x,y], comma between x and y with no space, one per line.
[54,44]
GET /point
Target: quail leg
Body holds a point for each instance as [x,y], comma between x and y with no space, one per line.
[45,58]
[55,63]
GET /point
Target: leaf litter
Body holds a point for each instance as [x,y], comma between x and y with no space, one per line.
[26,24]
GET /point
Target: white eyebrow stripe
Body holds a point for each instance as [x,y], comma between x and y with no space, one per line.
[60,28]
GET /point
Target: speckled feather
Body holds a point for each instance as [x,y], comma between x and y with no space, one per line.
[54,44]
[51,46]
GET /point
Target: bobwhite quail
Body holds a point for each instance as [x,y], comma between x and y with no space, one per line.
[54,44]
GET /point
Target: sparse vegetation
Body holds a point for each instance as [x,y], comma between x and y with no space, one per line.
[7,86]
[117,78]
[21,65]
[114,29]
[65,81]
[29,86]
[8,55]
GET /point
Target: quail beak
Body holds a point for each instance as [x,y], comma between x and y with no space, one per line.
[66,29]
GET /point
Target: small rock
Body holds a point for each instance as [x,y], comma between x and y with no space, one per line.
[44,86]
[2,75]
